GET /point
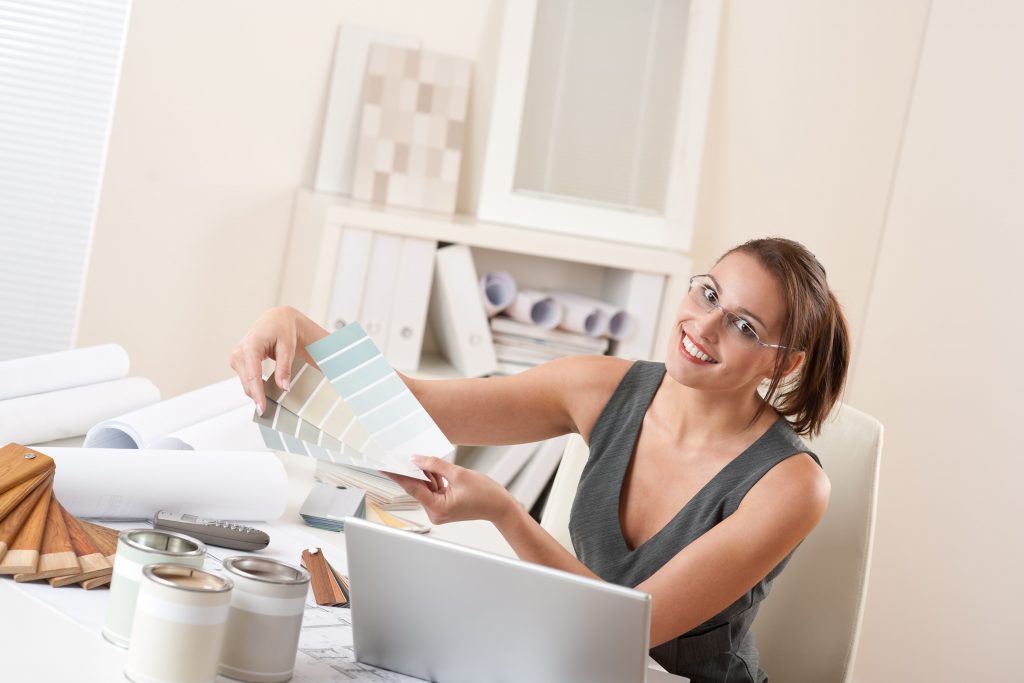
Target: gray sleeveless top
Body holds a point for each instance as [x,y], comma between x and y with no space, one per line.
[721,649]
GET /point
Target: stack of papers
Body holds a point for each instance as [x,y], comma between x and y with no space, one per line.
[355,410]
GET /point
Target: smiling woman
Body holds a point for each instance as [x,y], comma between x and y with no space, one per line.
[698,488]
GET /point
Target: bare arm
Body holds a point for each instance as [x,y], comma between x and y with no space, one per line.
[700,581]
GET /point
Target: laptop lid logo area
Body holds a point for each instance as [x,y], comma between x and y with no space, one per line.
[447,613]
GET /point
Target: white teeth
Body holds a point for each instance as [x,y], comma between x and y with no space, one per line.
[695,352]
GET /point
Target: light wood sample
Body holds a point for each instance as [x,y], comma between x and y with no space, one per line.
[12,523]
[56,554]
[23,555]
[91,561]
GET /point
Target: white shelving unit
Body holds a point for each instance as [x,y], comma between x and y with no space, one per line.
[319,219]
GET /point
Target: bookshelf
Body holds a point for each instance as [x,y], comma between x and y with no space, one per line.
[540,256]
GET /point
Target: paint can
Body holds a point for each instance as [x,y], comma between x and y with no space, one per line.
[267,604]
[180,619]
[137,548]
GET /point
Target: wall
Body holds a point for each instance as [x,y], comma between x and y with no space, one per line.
[940,364]
[217,123]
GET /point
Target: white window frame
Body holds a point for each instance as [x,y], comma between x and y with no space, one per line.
[673,228]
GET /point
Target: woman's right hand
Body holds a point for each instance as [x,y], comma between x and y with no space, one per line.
[275,334]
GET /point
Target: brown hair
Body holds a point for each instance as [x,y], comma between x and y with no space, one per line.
[814,323]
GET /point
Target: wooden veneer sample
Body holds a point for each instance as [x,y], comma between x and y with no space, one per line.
[92,562]
[105,540]
[12,523]
[56,554]
[18,467]
[326,589]
[23,555]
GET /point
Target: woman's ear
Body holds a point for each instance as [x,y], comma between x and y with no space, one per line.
[794,362]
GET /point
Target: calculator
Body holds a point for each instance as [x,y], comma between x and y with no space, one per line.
[213,531]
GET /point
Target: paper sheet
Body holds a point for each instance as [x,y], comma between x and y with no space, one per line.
[117,483]
[498,291]
[62,370]
[234,430]
[71,412]
[140,428]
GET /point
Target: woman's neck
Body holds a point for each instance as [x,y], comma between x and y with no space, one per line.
[696,419]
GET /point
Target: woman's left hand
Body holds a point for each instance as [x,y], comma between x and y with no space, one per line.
[455,493]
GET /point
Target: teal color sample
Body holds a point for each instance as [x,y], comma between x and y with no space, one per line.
[379,393]
[362,378]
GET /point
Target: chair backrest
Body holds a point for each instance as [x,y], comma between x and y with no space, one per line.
[808,628]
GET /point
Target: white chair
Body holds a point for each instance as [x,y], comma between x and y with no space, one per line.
[808,627]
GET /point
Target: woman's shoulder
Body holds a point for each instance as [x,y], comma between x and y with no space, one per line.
[587,382]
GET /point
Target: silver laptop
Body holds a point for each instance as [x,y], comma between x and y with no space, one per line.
[447,613]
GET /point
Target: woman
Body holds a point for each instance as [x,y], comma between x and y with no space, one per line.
[697,490]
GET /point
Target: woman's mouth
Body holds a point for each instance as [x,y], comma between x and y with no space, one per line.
[693,352]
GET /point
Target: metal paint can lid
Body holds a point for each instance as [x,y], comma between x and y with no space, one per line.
[186,577]
[266,569]
[163,542]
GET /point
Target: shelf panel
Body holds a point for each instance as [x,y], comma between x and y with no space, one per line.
[469,230]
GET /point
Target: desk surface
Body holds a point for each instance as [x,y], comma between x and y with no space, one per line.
[53,634]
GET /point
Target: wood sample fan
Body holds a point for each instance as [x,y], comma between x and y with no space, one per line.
[39,539]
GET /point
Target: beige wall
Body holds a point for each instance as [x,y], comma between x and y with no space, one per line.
[940,364]
[217,123]
[218,120]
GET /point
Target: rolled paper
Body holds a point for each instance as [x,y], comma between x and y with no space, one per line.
[62,370]
[537,308]
[498,291]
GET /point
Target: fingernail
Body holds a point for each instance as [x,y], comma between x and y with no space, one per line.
[418,459]
[287,385]
[258,410]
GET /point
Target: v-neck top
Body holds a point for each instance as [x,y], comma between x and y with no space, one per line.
[722,648]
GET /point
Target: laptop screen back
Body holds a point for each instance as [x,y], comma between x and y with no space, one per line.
[451,614]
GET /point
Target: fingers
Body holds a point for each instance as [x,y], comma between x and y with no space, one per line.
[417,488]
[439,466]
[284,354]
[246,362]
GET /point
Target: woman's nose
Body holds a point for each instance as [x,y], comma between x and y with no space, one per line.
[708,323]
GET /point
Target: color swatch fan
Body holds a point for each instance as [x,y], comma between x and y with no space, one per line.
[355,410]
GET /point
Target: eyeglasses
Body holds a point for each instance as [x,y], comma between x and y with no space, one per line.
[703,293]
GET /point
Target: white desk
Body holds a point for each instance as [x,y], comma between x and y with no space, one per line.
[42,642]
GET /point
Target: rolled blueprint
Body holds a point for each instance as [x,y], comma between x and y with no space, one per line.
[140,428]
[537,308]
[113,483]
[232,431]
[62,370]
[498,291]
[71,412]
[618,324]
[582,316]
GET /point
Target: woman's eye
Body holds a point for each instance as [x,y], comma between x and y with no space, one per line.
[745,328]
[711,295]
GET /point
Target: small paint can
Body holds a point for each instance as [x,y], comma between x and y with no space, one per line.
[137,548]
[267,604]
[179,625]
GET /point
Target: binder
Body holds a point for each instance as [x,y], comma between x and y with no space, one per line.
[409,310]
[457,315]
[639,294]
[379,291]
[349,277]
[500,463]
[530,482]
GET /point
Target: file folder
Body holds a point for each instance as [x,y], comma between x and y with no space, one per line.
[457,314]
[349,277]
[409,309]
[379,292]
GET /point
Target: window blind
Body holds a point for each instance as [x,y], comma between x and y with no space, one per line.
[59,66]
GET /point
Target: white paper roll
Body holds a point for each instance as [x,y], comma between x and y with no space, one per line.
[62,370]
[498,291]
[140,428]
[618,324]
[113,483]
[583,317]
[537,308]
[71,412]
[232,431]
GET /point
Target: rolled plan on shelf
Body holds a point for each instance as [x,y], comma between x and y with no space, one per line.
[62,370]
[71,412]
[117,483]
[141,428]
[498,291]
[618,322]
[537,308]
[583,316]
